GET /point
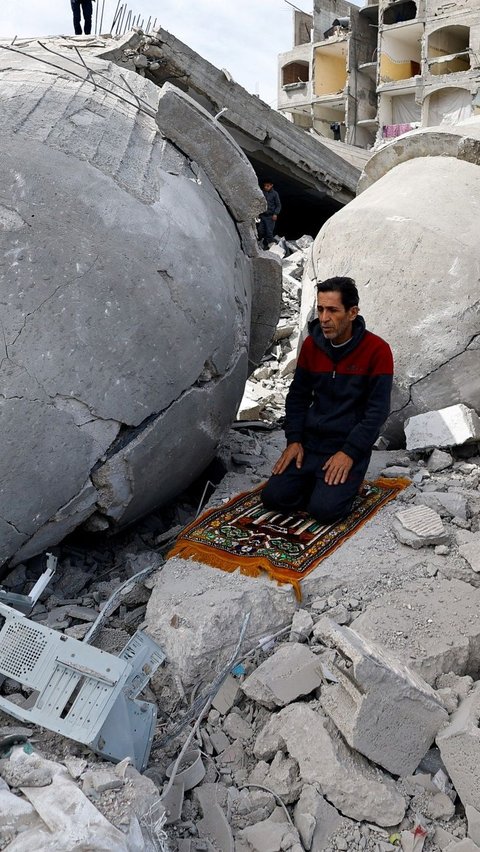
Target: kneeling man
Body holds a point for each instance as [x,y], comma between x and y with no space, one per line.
[335,407]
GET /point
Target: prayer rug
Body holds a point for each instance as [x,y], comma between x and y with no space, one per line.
[242,534]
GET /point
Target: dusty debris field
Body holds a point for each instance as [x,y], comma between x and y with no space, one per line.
[346,722]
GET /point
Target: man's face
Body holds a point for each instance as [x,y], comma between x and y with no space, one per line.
[335,320]
[268,186]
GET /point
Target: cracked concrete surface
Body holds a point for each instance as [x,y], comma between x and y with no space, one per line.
[132,294]
[410,241]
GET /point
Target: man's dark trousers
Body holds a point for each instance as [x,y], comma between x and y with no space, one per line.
[265,230]
[305,489]
[86,7]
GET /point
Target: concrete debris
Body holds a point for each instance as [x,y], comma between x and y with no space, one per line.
[434,628]
[274,834]
[384,710]
[439,460]
[316,820]
[193,609]
[459,745]
[471,553]
[473,823]
[419,526]
[291,672]
[194,373]
[347,780]
[447,427]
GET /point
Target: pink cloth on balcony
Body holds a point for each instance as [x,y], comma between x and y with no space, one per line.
[390,131]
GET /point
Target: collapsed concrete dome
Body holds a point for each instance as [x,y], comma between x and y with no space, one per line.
[132,292]
[410,240]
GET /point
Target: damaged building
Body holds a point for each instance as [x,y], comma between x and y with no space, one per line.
[382,69]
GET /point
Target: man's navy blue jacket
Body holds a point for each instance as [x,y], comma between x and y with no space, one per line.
[273,202]
[340,397]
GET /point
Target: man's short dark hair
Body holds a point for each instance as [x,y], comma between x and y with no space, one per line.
[345,286]
[267,180]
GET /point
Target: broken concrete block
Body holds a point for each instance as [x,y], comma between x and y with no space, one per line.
[316,820]
[471,553]
[419,526]
[459,745]
[196,614]
[383,709]
[465,845]
[101,780]
[290,672]
[431,626]
[444,838]
[447,427]
[237,728]
[271,835]
[302,626]
[438,461]
[281,776]
[346,778]
[226,695]
[473,820]
[446,503]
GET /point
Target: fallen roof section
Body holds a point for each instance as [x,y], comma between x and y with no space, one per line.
[264,134]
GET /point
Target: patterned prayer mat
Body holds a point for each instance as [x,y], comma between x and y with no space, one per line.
[242,534]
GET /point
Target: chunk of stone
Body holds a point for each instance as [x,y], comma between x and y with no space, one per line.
[290,672]
[196,614]
[459,745]
[281,776]
[346,778]
[271,835]
[316,820]
[219,741]
[227,695]
[443,838]
[439,806]
[471,553]
[25,770]
[473,821]
[438,461]
[419,526]
[447,427]
[16,814]
[102,780]
[237,728]
[445,502]
[465,845]
[431,626]
[396,471]
[383,709]
[302,626]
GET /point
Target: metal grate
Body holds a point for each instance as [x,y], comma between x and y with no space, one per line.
[21,647]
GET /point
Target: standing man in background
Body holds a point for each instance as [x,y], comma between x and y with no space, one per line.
[266,226]
[84,6]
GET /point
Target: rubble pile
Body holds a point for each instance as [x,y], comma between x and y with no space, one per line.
[355,729]
[265,390]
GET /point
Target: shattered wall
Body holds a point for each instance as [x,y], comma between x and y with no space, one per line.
[130,279]
[410,240]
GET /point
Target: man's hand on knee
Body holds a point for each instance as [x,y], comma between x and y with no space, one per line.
[337,468]
[294,452]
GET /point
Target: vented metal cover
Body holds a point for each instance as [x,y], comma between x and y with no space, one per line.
[21,647]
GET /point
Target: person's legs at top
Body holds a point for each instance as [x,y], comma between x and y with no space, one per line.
[87,16]
[269,227]
[77,26]
[329,503]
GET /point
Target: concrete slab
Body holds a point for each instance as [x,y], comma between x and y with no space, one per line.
[459,745]
[290,672]
[432,627]
[419,526]
[347,779]
[447,427]
[383,709]
[196,613]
